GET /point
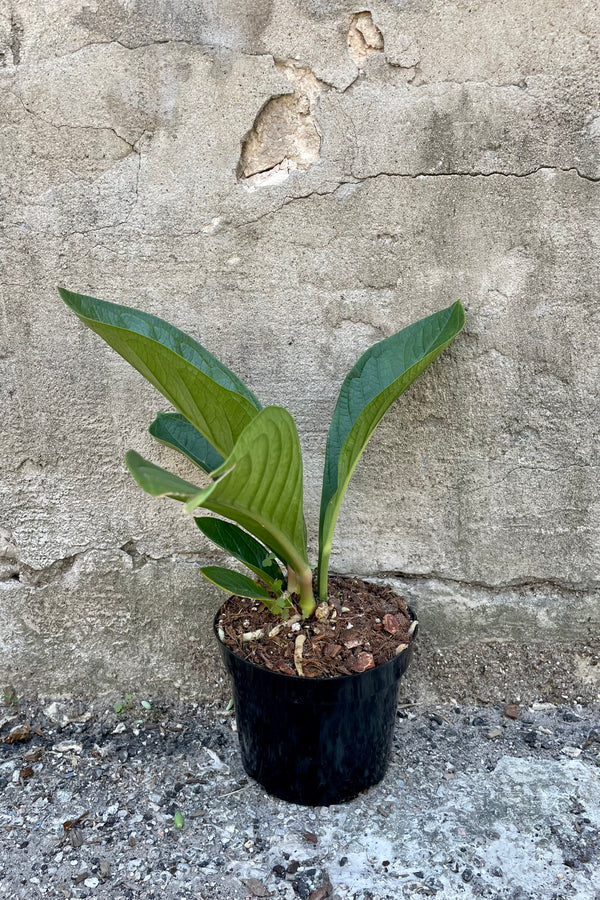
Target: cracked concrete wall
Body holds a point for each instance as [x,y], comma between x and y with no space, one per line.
[289,182]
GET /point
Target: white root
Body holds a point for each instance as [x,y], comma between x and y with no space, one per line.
[252,635]
[298,649]
[411,630]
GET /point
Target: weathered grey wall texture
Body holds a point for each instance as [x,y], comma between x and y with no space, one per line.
[290,181]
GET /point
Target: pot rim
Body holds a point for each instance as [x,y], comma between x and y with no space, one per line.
[319,679]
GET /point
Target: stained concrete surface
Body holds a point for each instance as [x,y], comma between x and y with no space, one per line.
[475,805]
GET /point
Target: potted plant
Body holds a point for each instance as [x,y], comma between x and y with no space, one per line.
[315,660]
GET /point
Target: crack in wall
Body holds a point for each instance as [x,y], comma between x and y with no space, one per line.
[31,577]
[353,180]
[16,36]
[529,583]
[58,126]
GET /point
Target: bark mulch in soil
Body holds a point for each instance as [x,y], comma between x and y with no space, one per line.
[362,626]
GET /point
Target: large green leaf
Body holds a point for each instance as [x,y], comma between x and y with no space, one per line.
[214,400]
[234,583]
[175,431]
[243,547]
[259,486]
[384,372]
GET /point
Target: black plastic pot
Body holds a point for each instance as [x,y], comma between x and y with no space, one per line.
[315,741]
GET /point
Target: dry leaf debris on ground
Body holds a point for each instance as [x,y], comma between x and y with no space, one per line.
[496,802]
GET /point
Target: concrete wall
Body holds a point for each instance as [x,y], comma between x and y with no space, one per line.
[290,182]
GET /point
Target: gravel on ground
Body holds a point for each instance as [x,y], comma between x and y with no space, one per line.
[132,798]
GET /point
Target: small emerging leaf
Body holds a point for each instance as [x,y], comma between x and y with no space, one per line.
[244,547]
[234,583]
[158,481]
[174,430]
[146,704]
[178,819]
[229,706]
[118,707]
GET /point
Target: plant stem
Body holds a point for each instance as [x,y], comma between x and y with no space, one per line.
[293,584]
[323,572]
[307,600]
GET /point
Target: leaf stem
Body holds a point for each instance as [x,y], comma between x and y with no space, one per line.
[307,599]
[293,584]
[324,571]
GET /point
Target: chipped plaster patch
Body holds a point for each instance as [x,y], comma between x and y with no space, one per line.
[284,136]
[364,38]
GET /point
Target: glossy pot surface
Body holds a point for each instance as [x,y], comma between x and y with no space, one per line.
[315,741]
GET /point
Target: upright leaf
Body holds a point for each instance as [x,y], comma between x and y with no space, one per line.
[208,394]
[174,430]
[384,372]
[243,547]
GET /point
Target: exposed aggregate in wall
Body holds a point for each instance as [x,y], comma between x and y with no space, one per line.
[291,181]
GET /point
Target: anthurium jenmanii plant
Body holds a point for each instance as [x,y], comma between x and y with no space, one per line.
[252,453]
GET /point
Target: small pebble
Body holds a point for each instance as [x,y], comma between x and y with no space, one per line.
[494,733]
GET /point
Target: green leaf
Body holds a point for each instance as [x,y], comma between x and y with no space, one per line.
[146,704]
[208,394]
[259,486]
[384,372]
[242,546]
[174,430]
[178,819]
[234,583]
[158,481]
[118,707]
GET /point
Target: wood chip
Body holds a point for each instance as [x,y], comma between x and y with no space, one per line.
[322,611]
[363,662]
[351,643]
[298,650]
[33,755]
[326,889]
[275,631]
[310,836]
[18,733]
[390,623]
[512,710]
[400,649]
[26,772]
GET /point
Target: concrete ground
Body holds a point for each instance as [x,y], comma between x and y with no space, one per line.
[144,801]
